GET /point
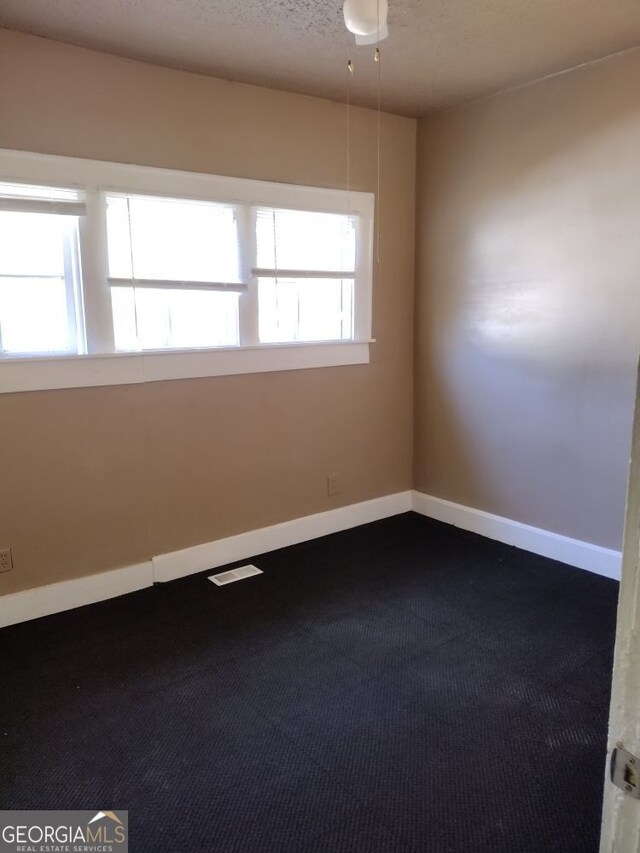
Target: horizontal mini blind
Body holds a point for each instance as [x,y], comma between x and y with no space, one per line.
[304,244]
[31,198]
[169,242]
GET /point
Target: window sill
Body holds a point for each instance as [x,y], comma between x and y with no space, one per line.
[84,371]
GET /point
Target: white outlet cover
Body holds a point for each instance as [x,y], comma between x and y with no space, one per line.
[232,575]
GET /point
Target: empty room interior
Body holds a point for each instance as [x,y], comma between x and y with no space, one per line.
[319,338]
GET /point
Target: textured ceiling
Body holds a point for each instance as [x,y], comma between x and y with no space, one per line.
[439,53]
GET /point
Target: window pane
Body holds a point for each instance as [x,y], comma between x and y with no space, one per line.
[32,244]
[304,240]
[172,239]
[35,299]
[150,318]
[33,315]
[305,309]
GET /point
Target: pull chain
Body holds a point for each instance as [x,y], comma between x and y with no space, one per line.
[376,58]
[349,76]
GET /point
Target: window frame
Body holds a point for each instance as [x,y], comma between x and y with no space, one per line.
[101,365]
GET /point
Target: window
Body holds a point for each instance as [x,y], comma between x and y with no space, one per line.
[306,266]
[170,263]
[103,259]
[39,284]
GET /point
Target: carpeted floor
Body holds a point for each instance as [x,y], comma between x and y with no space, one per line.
[404,686]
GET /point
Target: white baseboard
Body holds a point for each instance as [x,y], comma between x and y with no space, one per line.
[66,595]
[54,598]
[583,555]
[210,555]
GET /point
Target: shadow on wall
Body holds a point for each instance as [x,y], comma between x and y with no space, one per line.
[528,304]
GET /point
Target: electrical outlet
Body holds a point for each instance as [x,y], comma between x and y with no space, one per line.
[333,484]
[6,560]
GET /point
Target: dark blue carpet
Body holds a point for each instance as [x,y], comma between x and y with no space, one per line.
[404,686]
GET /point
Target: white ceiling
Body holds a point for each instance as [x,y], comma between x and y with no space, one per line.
[439,53]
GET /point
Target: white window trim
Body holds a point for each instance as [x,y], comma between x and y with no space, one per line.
[102,366]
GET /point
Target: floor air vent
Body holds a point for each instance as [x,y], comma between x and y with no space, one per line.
[234,575]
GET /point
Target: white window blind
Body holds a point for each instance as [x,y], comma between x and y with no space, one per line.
[305,241]
[173,240]
[30,198]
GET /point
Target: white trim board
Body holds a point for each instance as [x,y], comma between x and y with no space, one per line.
[115,368]
[583,555]
[210,555]
[66,595]
[54,598]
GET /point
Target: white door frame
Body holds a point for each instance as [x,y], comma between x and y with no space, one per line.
[621,813]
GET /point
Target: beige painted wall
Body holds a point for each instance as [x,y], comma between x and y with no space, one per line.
[98,478]
[528,300]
